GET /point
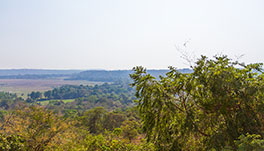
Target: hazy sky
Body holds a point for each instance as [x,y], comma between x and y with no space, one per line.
[120,34]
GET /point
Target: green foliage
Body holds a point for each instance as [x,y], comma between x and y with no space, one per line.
[113,120]
[117,131]
[250,143]
[9,100]
[110,96]
[104,143]
[70,113]
[2,114]
[68,125]
[35,95]
[203,110]
[90,92]
[39,128]
[93,120]
[130,129]
[36,128]
[98,119]
[11,143]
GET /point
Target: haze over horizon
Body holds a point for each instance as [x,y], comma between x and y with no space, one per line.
[121,34]
[82,69]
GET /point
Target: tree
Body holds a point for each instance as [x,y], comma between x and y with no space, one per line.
[35,95]
[93,119]
[130,129]
[206,109]
[48,94]
[39,128]
[113,120]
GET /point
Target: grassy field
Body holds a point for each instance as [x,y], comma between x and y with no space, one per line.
[24,86]
[47,101]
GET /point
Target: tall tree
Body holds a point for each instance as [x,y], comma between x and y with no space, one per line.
[206,109]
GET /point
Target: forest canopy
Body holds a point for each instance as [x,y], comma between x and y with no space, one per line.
[217,106]
[211,108]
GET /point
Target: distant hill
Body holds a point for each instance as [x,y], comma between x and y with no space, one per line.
[115,75]
[35,73]
[35,76]
[89,75]
[8,72]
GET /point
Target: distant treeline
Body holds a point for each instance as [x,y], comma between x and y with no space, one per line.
[104,90]
[89,75]
[115,75]
[110,96]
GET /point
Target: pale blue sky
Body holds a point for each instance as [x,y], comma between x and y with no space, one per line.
[120,34]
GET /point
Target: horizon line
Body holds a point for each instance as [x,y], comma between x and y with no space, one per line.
[82,69]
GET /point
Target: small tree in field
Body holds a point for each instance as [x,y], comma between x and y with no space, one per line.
[203,110]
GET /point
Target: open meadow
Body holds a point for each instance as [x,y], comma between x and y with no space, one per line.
[24,86]
[47,101]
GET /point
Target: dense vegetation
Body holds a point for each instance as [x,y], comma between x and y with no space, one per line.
[110,96]
[217,106]
[212,108]
[37,129]
[8,100]
[28,126]
[104,90]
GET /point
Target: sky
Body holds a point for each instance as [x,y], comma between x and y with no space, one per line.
[121,34]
